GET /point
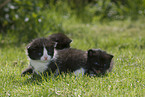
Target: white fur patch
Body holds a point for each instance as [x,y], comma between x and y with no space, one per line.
[55,54]
[39,66]
[45,56]
[81,70]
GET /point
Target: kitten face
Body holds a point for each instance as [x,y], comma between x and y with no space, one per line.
[62,40]
[99,61]
[40,49]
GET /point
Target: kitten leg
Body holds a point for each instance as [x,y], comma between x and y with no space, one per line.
[79,71]
[56,72]
[91,73]
[28,70]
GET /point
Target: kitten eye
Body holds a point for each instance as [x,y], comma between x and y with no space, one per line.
[34,51]
[105,65]
[49,53]
[39,53]
[96,63]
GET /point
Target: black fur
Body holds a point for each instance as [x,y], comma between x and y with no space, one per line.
[62,40]
[99,61]
[72,59]
[28,70]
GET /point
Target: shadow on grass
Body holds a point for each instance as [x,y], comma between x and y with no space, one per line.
[98,75]
[38,79]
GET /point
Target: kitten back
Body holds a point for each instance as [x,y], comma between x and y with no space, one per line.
[70,59]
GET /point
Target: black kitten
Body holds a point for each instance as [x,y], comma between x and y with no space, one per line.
[99,61]
[93,61]
[62,40]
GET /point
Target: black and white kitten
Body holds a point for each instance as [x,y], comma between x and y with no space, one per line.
[99,61]
[35,47]
[40,53]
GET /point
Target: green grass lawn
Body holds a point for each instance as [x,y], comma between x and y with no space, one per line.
[124,39]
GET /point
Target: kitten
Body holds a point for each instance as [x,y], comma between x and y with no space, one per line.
[99,61]
[62,42]
[93,61]
[40,52]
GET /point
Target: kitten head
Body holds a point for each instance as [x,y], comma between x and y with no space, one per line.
[99,61]
[62,40]
[40,49]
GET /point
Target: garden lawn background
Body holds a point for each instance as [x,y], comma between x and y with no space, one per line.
[124,39]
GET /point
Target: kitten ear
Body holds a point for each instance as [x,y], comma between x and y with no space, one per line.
[90,52]
[70,41]
[111,56]
[28,46]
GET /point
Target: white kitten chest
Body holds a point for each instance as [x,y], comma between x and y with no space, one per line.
[39,66]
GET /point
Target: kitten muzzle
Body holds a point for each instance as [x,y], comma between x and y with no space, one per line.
[45,58]
[96,71]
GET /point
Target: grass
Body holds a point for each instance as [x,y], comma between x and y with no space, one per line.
[124,39]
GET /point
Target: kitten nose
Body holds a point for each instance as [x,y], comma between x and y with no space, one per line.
[45,58]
